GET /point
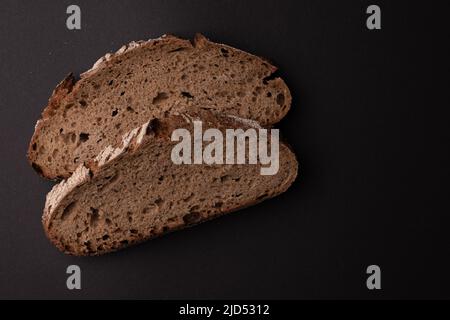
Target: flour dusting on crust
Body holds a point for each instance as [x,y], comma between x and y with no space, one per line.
[247,122]
[125,48]
[81,174]
[59,191]
[110,152]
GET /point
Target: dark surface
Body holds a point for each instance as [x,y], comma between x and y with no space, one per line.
[369,124]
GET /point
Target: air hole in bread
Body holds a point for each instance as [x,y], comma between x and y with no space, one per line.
[113,178]
[159,201]
[122,93]
[130,216]
[280,99]
[269,94]
[34,146]
[160,97]
[114,113]
[67,210]
[82,103]
[177,49]
[107,181]
[66,108]
[105,237]
[218,204]
[87,245]
[191,217]
[84,137]
[224,52]
[130,109]
[152,127]
[187,94]
[194,208]
[110,82]
[93,217]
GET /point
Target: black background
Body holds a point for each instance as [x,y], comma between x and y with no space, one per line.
[369,124]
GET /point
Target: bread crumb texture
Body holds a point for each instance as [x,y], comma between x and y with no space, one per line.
[148,79]
[133,191]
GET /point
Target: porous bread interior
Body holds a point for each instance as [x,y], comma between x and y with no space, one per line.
[148,81]
[143,195]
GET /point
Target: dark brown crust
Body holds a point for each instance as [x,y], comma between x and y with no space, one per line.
[162,129]
[69,86]
[59,93]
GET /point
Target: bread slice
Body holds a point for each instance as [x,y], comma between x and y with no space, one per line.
[144,80]
[133,191]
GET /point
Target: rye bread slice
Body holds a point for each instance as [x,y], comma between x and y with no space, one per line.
[144,80]
[133,191]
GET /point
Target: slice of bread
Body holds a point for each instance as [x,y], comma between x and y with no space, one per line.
[133,191]
[148,79]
